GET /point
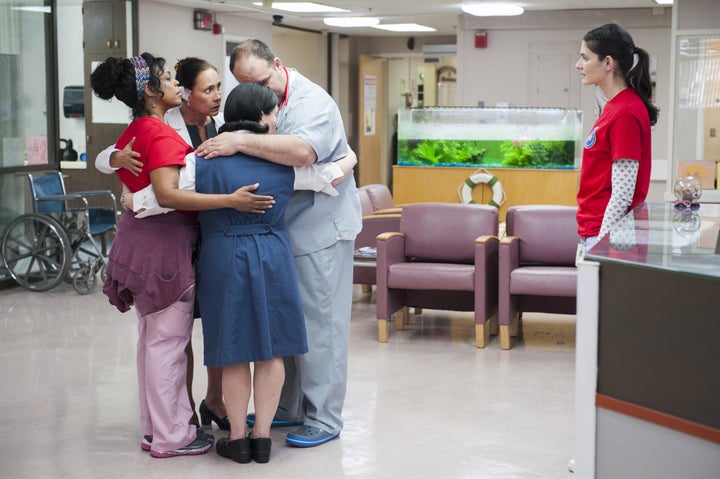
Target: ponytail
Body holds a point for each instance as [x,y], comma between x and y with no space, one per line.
[611,40]
[638,78]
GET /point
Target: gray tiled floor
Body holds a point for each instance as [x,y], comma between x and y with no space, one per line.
[426,404]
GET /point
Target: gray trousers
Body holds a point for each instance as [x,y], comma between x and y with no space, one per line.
[315,382]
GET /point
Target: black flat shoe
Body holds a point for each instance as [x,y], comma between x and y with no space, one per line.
[237,450]
[206,416]
[260,449]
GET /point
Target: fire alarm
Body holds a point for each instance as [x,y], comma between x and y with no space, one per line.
[481,39]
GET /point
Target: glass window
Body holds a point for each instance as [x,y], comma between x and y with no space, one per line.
[23,74]
[27,111]
[696,140]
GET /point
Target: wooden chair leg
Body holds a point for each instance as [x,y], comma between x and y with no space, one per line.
[515,325]
[493,321]
[482,334]
[382,330]
[504,336]
[401,318]
[366,288]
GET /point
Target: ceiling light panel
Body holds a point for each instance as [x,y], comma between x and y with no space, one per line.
[404,27]
[350,22]
[302,7]
[492,9]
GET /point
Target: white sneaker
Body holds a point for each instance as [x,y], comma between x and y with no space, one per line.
[203,443]
[571,465]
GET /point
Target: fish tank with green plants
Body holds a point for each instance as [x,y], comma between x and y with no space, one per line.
[549,138]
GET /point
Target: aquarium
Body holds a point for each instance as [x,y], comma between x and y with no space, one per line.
[490,137]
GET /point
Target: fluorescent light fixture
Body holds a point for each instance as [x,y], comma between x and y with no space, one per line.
[350,22]
[33,9]
[664,2]
[404,27]
[492,9]
[301,7]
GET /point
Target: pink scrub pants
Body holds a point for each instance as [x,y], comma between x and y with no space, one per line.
[162,371]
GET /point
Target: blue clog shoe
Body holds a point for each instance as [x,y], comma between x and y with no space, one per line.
[309,436]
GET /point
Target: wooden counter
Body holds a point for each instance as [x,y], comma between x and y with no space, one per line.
[415,184]
[647,378]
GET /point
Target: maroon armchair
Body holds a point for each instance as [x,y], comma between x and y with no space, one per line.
[444,256]
[537,270]
[365,202]
[373,198]
[381,199]
[364,266]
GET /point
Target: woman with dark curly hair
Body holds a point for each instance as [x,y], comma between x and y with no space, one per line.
[150,263]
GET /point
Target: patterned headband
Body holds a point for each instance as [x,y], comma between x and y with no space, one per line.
[142,74]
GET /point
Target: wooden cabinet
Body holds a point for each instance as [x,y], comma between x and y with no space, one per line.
[109,30]
[105,29]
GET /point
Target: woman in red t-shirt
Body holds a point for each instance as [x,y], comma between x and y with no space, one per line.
[615,173]
[150,262]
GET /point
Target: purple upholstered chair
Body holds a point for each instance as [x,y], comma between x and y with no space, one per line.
[372,225]
[537,270]
[443,257]
[373,197]
[381,199]
[366,206]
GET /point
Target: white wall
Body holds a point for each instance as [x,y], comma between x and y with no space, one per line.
[499,73]
[70,69]
[305,51]
[167,31]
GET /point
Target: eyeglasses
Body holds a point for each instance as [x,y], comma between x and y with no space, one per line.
[686,205]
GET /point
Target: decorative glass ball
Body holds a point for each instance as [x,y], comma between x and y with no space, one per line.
[687,223]
[688,188]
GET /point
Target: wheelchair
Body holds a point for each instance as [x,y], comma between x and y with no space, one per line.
[57,241]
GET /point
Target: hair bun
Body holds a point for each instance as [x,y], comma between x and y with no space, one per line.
[115,77]
[104,79]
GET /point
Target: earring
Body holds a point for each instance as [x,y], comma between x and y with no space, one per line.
[154,103]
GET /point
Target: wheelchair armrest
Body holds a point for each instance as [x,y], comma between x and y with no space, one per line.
[85,195]
[67,197]
[94,194]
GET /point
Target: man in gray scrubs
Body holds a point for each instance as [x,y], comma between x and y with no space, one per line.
[322,231]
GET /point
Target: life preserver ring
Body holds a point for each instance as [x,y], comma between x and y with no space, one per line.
[482,177]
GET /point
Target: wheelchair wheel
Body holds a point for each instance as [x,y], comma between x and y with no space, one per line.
[85,280]
[103,272]
[36,251]
[100,266]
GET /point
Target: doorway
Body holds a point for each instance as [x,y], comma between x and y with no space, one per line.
[396,83]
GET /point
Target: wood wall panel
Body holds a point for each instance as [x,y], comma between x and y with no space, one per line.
[415,184]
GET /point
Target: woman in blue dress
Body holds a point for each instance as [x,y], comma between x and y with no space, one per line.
[247,285]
